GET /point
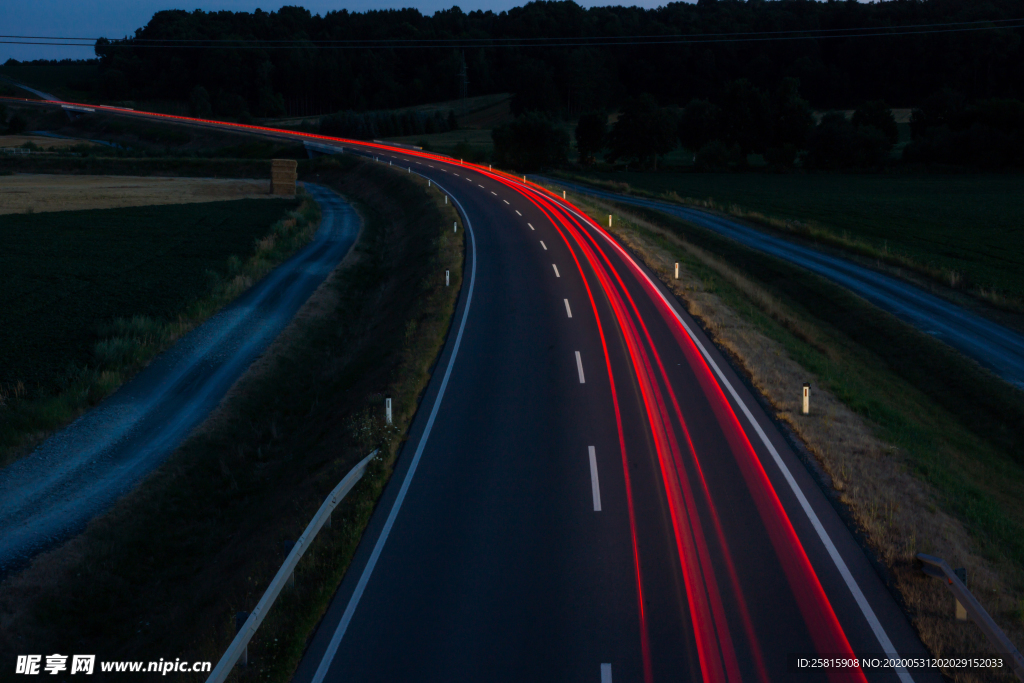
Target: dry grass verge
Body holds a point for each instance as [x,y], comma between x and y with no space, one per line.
[164,573]
[907,474]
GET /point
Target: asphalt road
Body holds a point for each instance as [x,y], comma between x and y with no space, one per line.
[82,470]
[682,547]
[990,344]
[589,493]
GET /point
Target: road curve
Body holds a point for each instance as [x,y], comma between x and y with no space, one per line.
[990,344]
[82,470]
[590,488]
[590,492]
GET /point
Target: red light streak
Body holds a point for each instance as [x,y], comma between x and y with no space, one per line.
[714,642]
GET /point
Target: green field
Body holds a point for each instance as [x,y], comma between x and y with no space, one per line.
[64,275]
[971,225]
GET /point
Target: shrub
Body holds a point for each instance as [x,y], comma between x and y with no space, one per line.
[714,156]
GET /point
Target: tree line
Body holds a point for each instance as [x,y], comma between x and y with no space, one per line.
[947,129]
[257,76]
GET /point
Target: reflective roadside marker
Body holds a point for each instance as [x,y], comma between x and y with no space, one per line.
[446,278]
[677,270]
[807,398]
[455,227]
[609,220]
[446,199]
[387,409]
[563,194]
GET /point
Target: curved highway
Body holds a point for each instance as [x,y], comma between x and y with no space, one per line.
[990,344]
[79,472]
[589,493]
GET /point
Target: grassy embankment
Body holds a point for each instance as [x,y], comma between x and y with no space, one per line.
[961,231]
[201,538]
[924,448]
[89,297]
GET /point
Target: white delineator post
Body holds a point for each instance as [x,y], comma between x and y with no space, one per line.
[609,220]
[563,194]
[677,270]
[387,410]
[455,226]
[446,199]
[446,274]
[807,398]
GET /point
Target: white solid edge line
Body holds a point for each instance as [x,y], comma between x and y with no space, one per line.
[851,583]
[568,311]
[556,270]
[346,617]
[595,487]
[543,245]
[606,673]
[579,366]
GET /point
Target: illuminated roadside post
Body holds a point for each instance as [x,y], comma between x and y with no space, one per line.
[387,410]
[446,277]
[807,398]
[455,226]
[677,269]
[563,194]
[609,220]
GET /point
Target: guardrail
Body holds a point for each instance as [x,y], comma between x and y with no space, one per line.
[937,567]
[240,645]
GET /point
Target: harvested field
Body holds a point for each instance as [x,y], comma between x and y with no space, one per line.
[41,193]
[42,142]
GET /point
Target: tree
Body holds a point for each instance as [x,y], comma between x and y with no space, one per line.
[530,142]
[644,130]
[699,124]
[591,131]
[747,116]
[877,113]
[792,118]
[199,103]
[836,143]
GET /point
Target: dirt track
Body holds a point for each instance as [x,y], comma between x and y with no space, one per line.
[38,193]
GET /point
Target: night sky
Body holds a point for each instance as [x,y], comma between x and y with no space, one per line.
[117,18]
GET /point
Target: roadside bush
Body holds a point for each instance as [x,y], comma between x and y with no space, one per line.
[714,156]
[530,142]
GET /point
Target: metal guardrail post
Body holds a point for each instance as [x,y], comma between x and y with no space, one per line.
[937,567]
[239,647]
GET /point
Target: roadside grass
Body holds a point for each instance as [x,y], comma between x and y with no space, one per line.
[901,443]
[962,231]
[90,297]
[200,539]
